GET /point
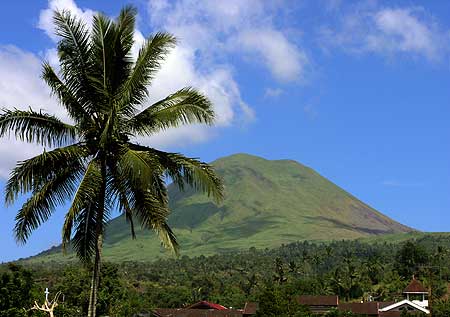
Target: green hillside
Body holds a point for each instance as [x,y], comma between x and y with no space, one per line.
[267,203]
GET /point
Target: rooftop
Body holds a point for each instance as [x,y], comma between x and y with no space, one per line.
[311,300]
[415,287]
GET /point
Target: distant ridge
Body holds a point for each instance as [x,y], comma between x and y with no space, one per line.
[267,203]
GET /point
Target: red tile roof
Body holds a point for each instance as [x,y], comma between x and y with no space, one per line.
[185,312]
[206,305]
[207,309]
[415,287]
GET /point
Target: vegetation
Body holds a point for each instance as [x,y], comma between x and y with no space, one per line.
[94,161]
[354,270]
[267,203]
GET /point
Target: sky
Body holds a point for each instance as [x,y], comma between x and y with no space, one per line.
[357,90]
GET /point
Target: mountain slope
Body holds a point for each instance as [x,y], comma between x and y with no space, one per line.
[267,203]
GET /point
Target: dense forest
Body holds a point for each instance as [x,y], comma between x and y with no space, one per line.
[354,270]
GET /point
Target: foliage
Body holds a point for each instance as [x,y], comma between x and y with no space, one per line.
[234,278]
[409,259]
[16,291]
[441,308]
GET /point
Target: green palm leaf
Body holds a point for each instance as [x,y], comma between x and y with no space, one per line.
[134,91]
[33,173]
[67,98]
[184,170]
[83,208]
[186,106]
[36,127]
[74,52]
[39,207]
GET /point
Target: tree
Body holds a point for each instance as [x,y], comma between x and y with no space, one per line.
[440,308]
[409,259]
[94,162]
[16,290]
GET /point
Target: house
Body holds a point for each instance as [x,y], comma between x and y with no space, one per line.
[415,302]
[319,304]
[416,293]
[207,309]
[369,309]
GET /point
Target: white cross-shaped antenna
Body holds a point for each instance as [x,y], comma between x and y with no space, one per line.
[46,294]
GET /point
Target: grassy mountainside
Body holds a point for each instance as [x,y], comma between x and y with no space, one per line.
[267,203]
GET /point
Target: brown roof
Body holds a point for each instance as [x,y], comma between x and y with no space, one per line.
[415,287]
[367,308]
[312,300]
[185,312]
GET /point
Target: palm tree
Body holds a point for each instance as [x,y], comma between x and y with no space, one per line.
[93,161]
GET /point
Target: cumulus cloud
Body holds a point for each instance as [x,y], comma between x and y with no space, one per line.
[283,59]
[401,30]
[46,16]
[234,26]
[409,30]
[21,87]
[209,34]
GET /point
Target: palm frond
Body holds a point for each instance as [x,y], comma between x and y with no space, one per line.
[123,42]
[118,192]
[186,106]
[125,27]
[35,172]
[84,239]
[143,170]
[134,91]
[36,127]
[67,98]
[184,170]
[74,52]
[139,182]
[83,208]
[153,215]
[73,46]
[38,208]
[103,35]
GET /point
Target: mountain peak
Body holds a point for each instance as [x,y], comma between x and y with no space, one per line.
[267,203]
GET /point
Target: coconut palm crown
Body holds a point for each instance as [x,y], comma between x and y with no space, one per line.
[93,162]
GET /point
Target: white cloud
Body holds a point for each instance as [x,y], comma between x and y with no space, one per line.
[209,34]
[217,28]
[21,87]
[46,16]
[388,31]
[401,30]
[283,59]
[273,92]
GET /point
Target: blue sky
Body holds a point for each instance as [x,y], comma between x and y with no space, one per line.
[359,91]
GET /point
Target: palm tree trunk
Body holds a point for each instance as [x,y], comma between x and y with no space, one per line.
[92,310]
[95,278]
